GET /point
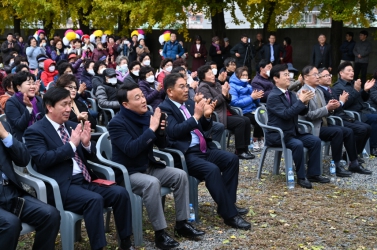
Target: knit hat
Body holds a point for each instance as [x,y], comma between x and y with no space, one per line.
[85,36]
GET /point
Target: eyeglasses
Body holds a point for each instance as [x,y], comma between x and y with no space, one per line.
[184,86]
[316,75]
[328,75]
[72,87]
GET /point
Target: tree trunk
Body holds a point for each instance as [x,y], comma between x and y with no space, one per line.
[124,24]
[269,19]
[85,28]
[16,25]
[336,38]
[218,21]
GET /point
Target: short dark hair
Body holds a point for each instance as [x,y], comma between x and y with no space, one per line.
[7,81]
[198,38]
[133,64]
[173,32]
[321,70]
[63,66]
[54,95]
[65,80]
[263,63]
[350,34]
[272,35]
[275,71]
[243,35]
[142,56]
[19,67]
[123,90]
[87,63]
[178,69]
[97,65]
[202,70]
[21,77]
[171,79]
[288,40]
[343,65]
[211,63]
[30,39]
[306,70]
[19,59]
[228,61]
[144,71]
[179,63]
[165,61]
[239,71]
[364,32]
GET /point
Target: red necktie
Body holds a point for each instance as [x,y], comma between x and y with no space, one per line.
[202,141]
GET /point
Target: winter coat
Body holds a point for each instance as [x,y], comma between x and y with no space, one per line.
[261,83]
[107,96]
[154,97]
[241,95]
[198,61]
[97,80]
[87,79]
[46,75]
[97,54]
[171,50]
[32,53]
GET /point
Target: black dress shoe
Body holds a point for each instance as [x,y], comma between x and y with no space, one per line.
[126,244]
[360,160]
[164,241]
[246,156]
[188,231]
[318,178]
[242,211]
[238,222]
[305,183]
[359,169]
[341,172]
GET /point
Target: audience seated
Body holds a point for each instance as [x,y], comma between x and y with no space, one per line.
[99,78]
[261,79]
[153,91]
[166,67]
[106,92]
[87,74]
[9,91]
[134,72]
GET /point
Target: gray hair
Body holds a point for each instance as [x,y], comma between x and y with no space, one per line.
[120,58]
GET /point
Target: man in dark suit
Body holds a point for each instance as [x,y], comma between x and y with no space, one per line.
[361,130]
[283,109]
[321,54]
[271,52]
[219,169]
[59,149]
[133,131]
[357,97]
[45,218]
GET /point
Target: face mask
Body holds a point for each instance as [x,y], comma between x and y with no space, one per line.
[41,65]
[244,80]
[51,68]
[43,45]
[113,80]
[291,75]
[91,71]
[150,79]
[268,73]
[147,62]
[102,70]
[168,69]
[214,71]
[136,72]
[11,62]
[123,68]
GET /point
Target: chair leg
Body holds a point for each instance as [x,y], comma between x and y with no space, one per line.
[288,162]
[229,135]
[78,231]
[193,196]
[163,202]
[108,216]
[367,147]
[277,159]
[137,220]
[67,233]
[261,161]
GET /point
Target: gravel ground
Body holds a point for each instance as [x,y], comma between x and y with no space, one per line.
[340,216]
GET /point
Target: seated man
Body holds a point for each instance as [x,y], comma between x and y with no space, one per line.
[133,131]
[283,110]
[357,97]
[361,130]
[336,135]
[59,149]
[218,168]
[45,218]
[261,80]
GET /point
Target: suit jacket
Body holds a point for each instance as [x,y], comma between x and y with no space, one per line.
[266,52]
[132,147]
[320,60]
[18,115]
[53,158]
[316,112]
[283,115]
[17,153]
[179,129]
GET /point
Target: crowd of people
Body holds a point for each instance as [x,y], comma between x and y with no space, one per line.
[45,90]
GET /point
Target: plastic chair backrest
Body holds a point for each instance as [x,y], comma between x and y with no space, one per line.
[105,146]
[261,115]
[3,118]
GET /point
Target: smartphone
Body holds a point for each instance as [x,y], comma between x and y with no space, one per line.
[18,205]
[160,131]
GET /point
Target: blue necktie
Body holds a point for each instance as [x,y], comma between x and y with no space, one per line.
[272,53]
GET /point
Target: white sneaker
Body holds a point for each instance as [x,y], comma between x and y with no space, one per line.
[261,144]
[256,147]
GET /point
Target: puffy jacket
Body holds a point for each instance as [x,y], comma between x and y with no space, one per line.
[241,95]
[97,80]
[107,96]
[32,53]
[87,78]
[172,49]
[154,97]
[261,83]
[46,75]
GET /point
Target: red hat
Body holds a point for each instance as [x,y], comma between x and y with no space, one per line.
[85,36]
[73,55]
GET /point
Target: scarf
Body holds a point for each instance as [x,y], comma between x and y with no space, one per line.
[217,46]
[33,100]
[140,120]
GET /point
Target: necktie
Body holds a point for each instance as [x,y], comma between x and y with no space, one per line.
[329,89]
[319,105]
[202,141]
[65,139]
[272,53]
[288,97]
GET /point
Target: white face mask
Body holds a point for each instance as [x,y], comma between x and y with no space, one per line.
[147,62]
[268,73]
[91,71]
[214,71]
[244,80]
[41,65]
[169,68]
[102,70]
[43,45]
[150,79]
[113,80]
[136,72]
[123,68]
[291,75]
[51,68]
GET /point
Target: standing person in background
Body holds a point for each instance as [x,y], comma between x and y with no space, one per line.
[57,52]
[9,46]
[20,42]
[347,49]
[141,49]
[288,51]
[258,45]
[199,53]
[272,51]
[32,52]
[215,51]
[243,53]
[227,48]
[361,51]
[321,54]
[172,49]
[132,55]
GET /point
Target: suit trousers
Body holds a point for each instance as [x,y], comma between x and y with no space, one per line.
[240,125]
[372,121]
[219,169]
[216,131]
[89,199]
[148,186]
[361,68]
[313,144]
[361,132]
[338,135]
[45,218]
[258,132]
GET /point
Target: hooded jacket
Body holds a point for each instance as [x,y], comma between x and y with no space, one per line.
[241,95]
[46,75]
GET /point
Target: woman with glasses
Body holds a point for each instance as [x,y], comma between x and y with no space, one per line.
[79,111]
[24,108]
